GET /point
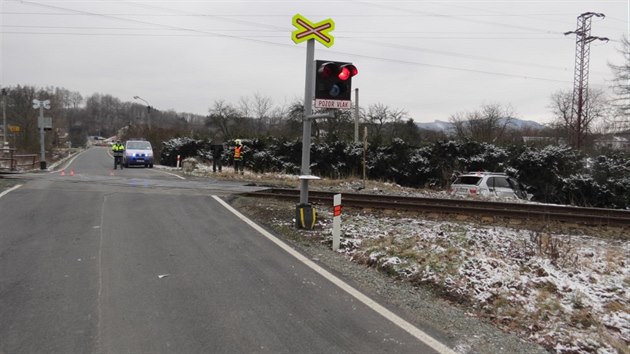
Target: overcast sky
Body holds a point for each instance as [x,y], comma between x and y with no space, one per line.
[430,58]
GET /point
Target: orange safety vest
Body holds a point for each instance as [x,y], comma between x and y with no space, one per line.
[237,152]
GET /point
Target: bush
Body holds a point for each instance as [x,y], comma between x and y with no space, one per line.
[185,147]
[556,174]
[544,170]
[583,190]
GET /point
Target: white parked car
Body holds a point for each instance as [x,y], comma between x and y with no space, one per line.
[138,152]
[488,184]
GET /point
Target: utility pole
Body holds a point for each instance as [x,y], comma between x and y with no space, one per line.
[4,119]
[356,115]
[42,148]
[579,109]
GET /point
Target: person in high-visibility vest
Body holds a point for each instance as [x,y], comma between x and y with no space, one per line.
[238,156]
[118,149]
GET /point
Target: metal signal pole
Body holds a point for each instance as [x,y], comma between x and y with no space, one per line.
[580,101]
[356,115]
[42,148]
[4,119]
[306,126]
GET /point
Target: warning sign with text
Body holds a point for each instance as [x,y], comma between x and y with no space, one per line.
[321,103]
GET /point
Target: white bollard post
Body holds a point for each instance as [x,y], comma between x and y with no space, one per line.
[336,221]
[178,161]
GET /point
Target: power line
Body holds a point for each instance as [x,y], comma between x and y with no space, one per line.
[455,17]
[215,34]
[393,36]
[361,56]
[285,15]
[284,30]
[475,57]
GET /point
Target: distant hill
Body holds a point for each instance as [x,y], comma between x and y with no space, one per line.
[436,126]
[447,127]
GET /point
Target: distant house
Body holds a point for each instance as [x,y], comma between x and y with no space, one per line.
[547,140]
[614,142]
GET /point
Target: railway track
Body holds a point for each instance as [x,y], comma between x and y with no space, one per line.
[527,211]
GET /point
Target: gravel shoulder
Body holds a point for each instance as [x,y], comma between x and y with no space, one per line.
[422,306]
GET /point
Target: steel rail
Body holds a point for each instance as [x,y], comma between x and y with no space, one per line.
[587,216]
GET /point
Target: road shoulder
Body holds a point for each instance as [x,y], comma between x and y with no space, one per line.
[420,306]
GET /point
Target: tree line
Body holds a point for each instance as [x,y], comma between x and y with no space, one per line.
[552,173]
[252,117]
[255,117]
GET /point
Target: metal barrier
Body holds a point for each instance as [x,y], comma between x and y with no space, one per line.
[14,161]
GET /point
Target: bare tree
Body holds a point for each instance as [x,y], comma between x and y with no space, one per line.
[261,108]
[396,123]
[621,86]
[20,112]
[105,114]
[245,106]
[224,118]
[380,117]
[561,104]
[75,99]
[277,119]
[338,126]
[597,112]
[489,124]
[292,127]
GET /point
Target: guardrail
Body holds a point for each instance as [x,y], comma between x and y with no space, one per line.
[17,161]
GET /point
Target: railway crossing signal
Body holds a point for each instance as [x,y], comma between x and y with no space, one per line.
[319,31]
[333,80]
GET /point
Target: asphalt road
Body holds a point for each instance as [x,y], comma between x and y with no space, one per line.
[139,260]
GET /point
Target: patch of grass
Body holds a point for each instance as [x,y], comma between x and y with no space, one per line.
[618,344]
[615,261]
[616,306]
[408,249]
[502,306]
[548,302]
[577,300]
[582,319]
[561,251]
[547,287]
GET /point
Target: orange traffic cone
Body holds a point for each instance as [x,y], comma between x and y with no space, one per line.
[63,172]
[72,172]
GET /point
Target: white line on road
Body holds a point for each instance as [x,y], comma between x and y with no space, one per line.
[397,320]
[168,173]
[69,162]
[10,190]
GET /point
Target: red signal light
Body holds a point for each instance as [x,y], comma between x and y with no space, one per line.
[344,74]
[347,71]
[333,80]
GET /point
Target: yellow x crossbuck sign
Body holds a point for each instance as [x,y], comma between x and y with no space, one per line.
[318,31]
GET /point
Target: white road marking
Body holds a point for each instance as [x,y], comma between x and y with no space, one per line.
[99,301]
[10,190]
[397,320]
[69,162]
[168,173]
